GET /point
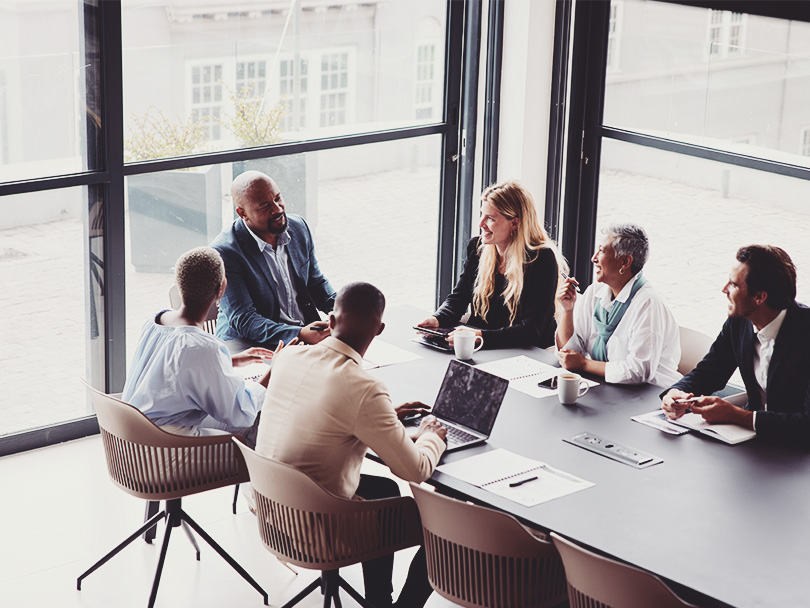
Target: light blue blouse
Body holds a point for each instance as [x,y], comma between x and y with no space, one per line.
[182,376]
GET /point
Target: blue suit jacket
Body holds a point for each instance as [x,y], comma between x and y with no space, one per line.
[249,309]
[788,390]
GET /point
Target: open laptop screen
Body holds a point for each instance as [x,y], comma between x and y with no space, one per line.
[470,396]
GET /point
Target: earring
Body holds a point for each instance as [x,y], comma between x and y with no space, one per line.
[621,270]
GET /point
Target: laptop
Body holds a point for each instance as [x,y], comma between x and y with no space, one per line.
[467,404]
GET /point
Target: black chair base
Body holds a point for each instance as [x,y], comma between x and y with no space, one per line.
[330,583]
[175,517]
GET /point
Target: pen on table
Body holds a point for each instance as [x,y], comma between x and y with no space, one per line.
[515,484]
[565,276]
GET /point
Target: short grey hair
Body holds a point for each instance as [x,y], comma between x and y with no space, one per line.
[630,239]
[199,274]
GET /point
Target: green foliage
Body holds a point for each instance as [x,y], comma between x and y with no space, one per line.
[252,123]
[152,136]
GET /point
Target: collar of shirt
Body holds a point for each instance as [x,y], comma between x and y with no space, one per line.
[341,347]
[771,330]
[606,295]
[283,239]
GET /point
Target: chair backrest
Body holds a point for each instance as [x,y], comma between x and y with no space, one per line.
[595,581]
[150,463]
[303,523]
[482,557]
[694,346]
[210,324]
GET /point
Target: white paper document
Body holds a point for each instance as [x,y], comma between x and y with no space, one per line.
[730,433]
[525,374]
[381,353]
[523,480]
[658,420]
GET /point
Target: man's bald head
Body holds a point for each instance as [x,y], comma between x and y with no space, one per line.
[246,181]
[259,203]
[358,313]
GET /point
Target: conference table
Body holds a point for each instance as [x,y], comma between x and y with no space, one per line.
[730,522]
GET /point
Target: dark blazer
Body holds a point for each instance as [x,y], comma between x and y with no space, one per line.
[787,393]
[249,309]
[534,324]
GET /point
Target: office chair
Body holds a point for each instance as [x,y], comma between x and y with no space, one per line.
[595,581]
[302,523]
[694,346]
[147,462]
[479,557]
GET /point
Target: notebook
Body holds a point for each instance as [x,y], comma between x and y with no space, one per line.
[467,404]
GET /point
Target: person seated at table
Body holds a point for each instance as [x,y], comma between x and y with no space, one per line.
[620,328]
[183,378]
[766,337]
[323,411]
[510,275]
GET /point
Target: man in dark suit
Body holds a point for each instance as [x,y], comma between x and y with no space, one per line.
[766,336]
[275,287]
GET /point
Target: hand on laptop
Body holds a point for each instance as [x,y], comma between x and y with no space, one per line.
[431,425]
[411,409]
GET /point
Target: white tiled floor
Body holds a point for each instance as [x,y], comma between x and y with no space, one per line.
[61,513]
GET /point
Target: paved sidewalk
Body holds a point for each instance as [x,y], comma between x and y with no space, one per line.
[379,228]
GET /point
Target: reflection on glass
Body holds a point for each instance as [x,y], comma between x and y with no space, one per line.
[714,78]
[49,111]
[278,72]
[373,211]
[53,328]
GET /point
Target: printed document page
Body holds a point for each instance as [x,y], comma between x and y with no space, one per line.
[526,374]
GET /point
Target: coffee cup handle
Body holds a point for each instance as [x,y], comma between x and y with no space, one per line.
[583,384]
[480,345]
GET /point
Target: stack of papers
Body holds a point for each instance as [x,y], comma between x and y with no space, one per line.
[515,477]
[525,374]
[730,433]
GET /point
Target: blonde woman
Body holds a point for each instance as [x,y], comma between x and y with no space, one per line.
[509,277]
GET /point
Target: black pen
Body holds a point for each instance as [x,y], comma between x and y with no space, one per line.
[565,276]
[515,484]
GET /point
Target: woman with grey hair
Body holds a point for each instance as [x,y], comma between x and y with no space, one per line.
[620,328]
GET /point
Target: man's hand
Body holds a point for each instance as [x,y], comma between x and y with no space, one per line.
[314,332]
[571,360]
[567,293]
[256,354]
[412,408]
[431,425]
[670,404]
[719,411]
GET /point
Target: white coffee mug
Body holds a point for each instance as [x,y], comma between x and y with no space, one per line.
[570,387]
[464,342]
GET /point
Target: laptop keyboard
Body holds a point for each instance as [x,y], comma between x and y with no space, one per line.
[456,435]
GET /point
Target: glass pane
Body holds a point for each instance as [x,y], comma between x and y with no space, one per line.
[712,78]
[367,52]
[47,121]
[52,331]
[697,214]
[373,211]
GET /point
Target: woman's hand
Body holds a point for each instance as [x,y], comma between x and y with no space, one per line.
[430,322]
[477,332]
[256,354]
[567,293]
[571,360]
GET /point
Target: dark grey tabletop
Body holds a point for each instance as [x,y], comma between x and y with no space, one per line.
[730,522]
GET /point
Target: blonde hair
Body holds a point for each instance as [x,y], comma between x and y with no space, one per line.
[511,200]
[199,274]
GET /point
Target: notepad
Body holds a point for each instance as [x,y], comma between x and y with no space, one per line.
[380,354]
[517,478]
[730,433]
[525,373]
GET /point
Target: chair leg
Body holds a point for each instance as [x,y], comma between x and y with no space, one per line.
[235,496]
[316,584]
[191,538]
[351,591]
[152,507]
[242,572]
[151,523]
[173,520]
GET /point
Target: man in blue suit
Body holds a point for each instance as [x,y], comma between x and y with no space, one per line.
[766,336]
[275,287]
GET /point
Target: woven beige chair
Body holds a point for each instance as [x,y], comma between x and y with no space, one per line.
[147,462]
[595,581]
[301,522]
[479,557]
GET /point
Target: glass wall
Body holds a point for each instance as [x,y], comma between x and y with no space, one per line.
[735,83]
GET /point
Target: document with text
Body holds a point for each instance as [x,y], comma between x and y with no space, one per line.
[522,480]
[527,375]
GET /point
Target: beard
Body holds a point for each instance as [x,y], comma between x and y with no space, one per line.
[273,227]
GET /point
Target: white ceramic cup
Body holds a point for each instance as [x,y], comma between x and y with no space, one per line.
[464,343]
[570,387]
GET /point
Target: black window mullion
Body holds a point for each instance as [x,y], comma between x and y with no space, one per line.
[492,107]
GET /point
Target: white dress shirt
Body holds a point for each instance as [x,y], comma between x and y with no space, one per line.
[763,351]
[278,262]
[644,347]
